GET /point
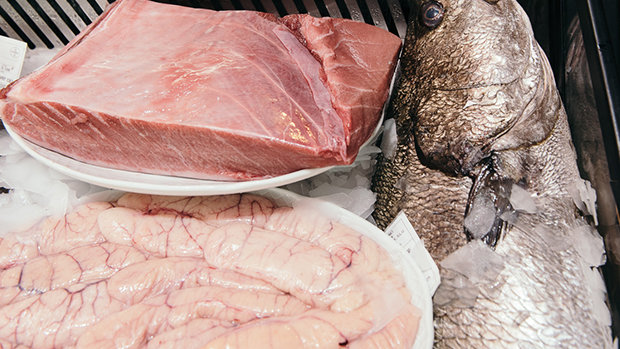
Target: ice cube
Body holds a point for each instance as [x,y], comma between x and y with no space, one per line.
[598,296]
[547,235]
[36,190]
[363,201]
[481,216]
[455,290]
[345,186]
[476,261]
[584,197]
[589,244]
[522,200]
[389,142]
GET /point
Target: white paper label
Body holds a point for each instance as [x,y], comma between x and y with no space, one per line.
[12,54]
[403,233]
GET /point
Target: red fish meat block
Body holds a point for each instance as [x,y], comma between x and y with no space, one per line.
[230,95]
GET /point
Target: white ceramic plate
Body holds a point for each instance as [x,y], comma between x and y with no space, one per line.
[157,184]
[416,283]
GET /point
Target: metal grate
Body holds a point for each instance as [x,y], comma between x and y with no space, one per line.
[53,23]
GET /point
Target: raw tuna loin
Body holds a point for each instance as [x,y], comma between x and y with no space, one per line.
[229,95]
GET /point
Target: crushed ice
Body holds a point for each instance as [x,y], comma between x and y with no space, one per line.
[481,216]
[455,290]
[345,186]
[598,297]
[584,197]
[522,200]
[589,245]
[36,190]
[582,238]
[476,261]
[550,236]
[389,140]
[465,270]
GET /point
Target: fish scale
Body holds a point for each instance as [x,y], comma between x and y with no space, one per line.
[433,201]
[549,304]
[447,194]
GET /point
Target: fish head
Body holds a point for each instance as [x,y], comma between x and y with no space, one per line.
[476,69]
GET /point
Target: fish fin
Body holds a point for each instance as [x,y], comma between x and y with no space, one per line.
[487,203]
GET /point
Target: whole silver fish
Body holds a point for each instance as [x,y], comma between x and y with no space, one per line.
[480,123]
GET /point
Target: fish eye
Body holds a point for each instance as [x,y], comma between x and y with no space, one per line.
[432,13]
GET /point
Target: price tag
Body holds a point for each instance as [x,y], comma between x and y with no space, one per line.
[403,233]
[12,54]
